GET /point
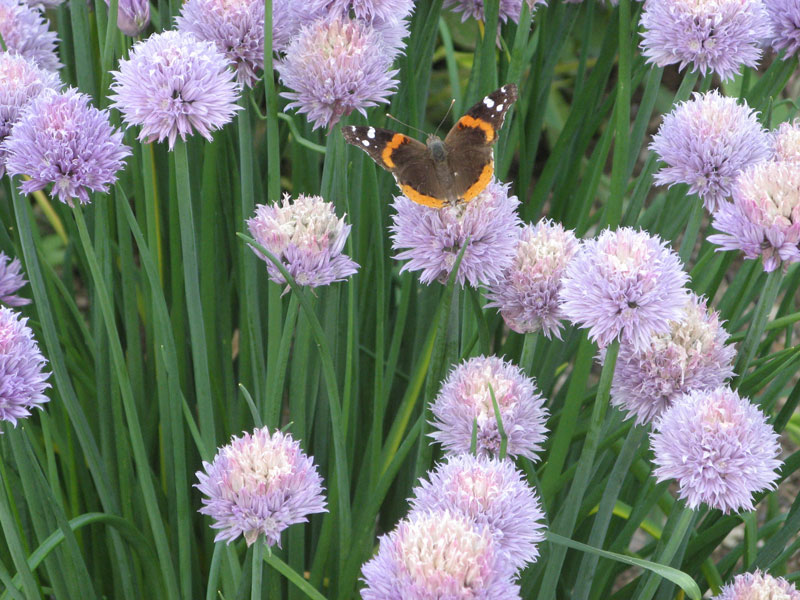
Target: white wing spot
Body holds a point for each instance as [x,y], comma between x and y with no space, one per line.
[488,102]
[371,132]
[499,107]
[365,142]
[503,89]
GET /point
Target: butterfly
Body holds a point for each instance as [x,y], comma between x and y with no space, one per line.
[447,171]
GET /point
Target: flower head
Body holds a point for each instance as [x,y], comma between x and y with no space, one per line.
[715,35]
[764,218]
[509,9]
[758,586]
[388,17]
[438,555]
[433,237]
[785,18]
[133,16]
[718,447]
[786,142]
[706,142]
[11,280]
[236,27]
[259,483]
[692,355]
[466,400]
[625,284]
[24,31]
[63,140]
[22,377]
[173,84]
[491,493]
[335,66]
[527,295]
[307,237]
[23,80]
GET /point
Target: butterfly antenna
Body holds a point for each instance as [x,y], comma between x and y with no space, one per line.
[449,108]
[406,124]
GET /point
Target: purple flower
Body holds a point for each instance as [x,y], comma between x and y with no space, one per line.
[23,80]
[259,483]
[491,493]
[509,9]
[24,31]
[758,586]
[22,379]
[438,555]
[527,295]
[785,18]
[786,142]
[335,66]
[63,140]
[466,400]
[692,355]
[625,284]
[388,17]
[11,280]
[764,218]
[433,237]
[718,447]
[173,84]
[133,16]
[236,27]
[715,35]
[307,237]
[706,142]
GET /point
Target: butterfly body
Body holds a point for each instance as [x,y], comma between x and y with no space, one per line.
[447,171]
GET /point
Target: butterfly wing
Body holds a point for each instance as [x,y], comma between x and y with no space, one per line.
[471,141]
[405,158]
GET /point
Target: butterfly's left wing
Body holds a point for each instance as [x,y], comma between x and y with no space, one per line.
[471,140]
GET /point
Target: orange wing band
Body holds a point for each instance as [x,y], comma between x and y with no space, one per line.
[398,139]
[419,198]
[488,130]
[480,185]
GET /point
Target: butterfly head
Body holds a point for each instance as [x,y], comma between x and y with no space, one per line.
[436,147]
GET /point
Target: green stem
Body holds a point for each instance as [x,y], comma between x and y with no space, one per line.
[293,576]
[277,377]
[692,229]
[685,520]
[622,111]
[193,299]
[529,346]
[567,517]
[258,569]
[757,325]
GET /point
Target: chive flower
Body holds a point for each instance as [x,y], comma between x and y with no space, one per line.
[24,31]
[23,80]
[764,218]
[784,16]
[758,586]
[438,555]
[335,66]
[527,293]
[692,355]
[431,238]
[465,402]
[11,280]
[172,85]
[705,143]
[719,449]
[719,36]
[786,142]
[625,285]
[133,16]
[307,237]
[491,493]
[64,140]
[259,484]
[23,379]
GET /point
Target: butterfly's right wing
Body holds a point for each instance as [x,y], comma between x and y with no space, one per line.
[405,158]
